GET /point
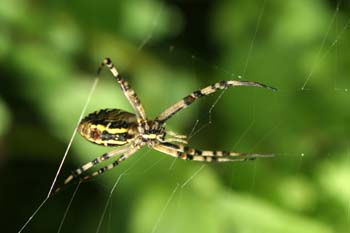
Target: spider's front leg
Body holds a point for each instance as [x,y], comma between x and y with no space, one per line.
[174,137]
[187,153]
[127,90]
[186,101]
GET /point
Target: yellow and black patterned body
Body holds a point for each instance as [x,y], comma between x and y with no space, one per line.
[109,127]
[115,127]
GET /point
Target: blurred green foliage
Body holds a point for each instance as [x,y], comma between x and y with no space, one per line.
[49,53]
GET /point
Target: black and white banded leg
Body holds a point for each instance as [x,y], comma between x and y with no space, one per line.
[186,101]
[113,164]
[187,153]
[77,172]
[127,90]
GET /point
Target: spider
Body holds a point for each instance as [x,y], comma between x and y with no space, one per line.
[131,131]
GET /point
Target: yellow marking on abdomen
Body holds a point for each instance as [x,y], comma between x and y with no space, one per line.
[116,142]
[117,130]
[109,130]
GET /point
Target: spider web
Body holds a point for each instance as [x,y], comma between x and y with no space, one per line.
[177,187]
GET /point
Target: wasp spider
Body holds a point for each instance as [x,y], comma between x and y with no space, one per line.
[131,131]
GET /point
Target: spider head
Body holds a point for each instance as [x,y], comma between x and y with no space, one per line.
[155,132]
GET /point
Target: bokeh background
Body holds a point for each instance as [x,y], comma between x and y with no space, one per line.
[49,53]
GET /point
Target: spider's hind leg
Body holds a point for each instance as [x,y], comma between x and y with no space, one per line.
[110,166]
[79,171]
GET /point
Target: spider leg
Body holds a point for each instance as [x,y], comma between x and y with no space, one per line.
[187,153]
[174,138]
[179,140]
[175,135]
[112,165]
[127,90]
[186,101]
[77,172]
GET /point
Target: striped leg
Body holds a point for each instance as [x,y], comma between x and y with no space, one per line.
[186,153]
[112,165]
[186,101]
[76,173]
[127,90]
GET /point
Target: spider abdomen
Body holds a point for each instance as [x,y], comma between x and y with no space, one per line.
[109,127]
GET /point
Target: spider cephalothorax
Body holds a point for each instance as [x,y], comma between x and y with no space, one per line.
[131,131]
